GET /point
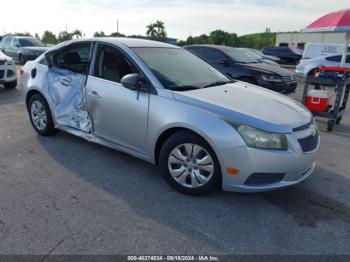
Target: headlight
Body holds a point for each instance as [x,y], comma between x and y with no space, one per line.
[261,139]
[271,78]
[9,62]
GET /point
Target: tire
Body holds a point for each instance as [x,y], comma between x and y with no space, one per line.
[21,59]
[339,119]
[330,125]
[38,107]
[11,85]
[194,178]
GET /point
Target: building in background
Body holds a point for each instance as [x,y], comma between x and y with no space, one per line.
[331,28]
[299,39]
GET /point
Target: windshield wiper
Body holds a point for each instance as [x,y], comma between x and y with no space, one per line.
[184,88]
[219,83]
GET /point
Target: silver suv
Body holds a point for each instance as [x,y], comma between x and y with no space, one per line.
[160,103]
[22,48]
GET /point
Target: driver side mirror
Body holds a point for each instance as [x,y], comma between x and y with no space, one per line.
[134,82]
[17,45]
[223,62]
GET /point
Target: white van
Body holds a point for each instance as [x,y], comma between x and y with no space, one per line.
[313,50]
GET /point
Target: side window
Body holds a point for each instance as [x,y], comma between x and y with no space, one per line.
[44,61]
[212,55]
[74,57]
[347,59]
[334,58]
[15,42]
[112,65]
[196,50]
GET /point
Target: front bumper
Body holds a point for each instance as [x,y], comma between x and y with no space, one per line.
[284,87]
[292,167]
[8,73]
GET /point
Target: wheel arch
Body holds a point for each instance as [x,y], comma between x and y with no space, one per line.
[35,91]
[166,134]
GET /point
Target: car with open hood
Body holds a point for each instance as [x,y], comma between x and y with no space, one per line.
[160,103]
[22,48]
[237,63]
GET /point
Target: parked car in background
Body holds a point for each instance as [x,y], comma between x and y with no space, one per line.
[237,64]
[8,76]
[308,67]
[204,130]
[286,54]
[313,50]
[258,57]
[22,48]
[269,57]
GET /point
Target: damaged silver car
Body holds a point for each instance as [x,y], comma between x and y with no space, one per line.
[162,104]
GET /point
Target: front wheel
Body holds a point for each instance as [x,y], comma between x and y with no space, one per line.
[189,164]
[21,59]
[40,116]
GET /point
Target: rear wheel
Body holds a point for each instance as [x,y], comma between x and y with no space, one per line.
[189,165]
[40,116]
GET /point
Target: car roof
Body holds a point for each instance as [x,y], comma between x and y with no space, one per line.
[220,47]
[129,42]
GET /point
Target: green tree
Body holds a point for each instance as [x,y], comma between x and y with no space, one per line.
[22,34]
[156,31]
[99,34]
[64,36]
[77,33]
[49,38]
[117,34]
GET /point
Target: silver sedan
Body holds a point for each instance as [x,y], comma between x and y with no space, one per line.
[308,67]
[162,104]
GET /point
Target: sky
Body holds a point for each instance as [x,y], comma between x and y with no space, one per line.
[182,17]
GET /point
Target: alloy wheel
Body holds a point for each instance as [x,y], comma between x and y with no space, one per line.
[38,114]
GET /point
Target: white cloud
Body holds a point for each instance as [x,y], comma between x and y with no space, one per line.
[181,17]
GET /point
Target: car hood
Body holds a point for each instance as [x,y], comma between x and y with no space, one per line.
[267,69]
[242,103]
[4,57]
[36,48]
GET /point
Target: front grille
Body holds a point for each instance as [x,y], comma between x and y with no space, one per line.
[2,62]
[1,74]
[310,143]
[290,78]
[10,73]
[259,179]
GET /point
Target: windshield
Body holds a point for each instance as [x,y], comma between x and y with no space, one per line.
[178,69]
[252,54]
[240,55]
[30,42]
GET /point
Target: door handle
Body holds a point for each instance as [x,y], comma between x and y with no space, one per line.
[94,94]
[65,82]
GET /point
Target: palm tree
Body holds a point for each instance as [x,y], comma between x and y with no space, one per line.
[156,31]
[77,33]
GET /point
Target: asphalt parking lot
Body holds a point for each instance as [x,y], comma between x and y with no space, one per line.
[63,195]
